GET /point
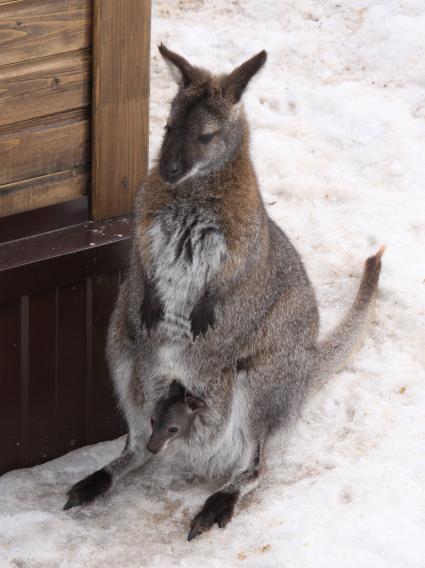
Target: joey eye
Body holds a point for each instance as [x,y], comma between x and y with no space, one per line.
[173,429]
[206,138]
[152,422]
[167,128]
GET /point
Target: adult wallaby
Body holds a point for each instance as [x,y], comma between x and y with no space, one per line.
[217,298]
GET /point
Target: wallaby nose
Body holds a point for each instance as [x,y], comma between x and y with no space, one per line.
[152,448]
[174,169]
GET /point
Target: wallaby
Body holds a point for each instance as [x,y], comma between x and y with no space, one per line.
[214,284]
[173,417]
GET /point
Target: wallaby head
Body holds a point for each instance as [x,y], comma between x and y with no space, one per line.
[205,126]
[173,417]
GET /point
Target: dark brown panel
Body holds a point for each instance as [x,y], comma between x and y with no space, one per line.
[71,360]
[24,374]
[90,424]
[10,416]
[121,43]
[44,219]
[44,145]
[63,257]
[44,86]
[58,394]
[41,424]
[36,28]
[106,422]
[43,191]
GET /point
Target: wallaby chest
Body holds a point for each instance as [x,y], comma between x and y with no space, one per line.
[187,246]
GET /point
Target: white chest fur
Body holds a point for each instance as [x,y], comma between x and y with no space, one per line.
[187,247]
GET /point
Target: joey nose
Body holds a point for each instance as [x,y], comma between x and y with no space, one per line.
[152,448]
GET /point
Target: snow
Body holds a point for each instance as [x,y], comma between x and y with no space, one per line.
[338,140]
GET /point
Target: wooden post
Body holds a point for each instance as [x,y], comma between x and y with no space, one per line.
[121,54]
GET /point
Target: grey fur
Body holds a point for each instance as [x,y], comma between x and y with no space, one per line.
[173,417]
[217,298]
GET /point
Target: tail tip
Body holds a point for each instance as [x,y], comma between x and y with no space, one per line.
[380,252]
[374,262]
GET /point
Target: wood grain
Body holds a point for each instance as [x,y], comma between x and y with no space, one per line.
[44,86]
[44,145]
[36,28]
[44,190]
[121,44]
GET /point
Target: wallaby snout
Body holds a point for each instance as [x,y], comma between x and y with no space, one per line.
[154,446]
[171,170]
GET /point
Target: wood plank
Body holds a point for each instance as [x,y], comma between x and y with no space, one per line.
[71,360]
[44,86]
[42,377]
[36,28]
[44,145]
[121,44]
[62,257]
[44,190]
[106,422]
[10,385]
[49,218]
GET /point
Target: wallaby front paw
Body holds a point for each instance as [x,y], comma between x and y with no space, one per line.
[203,315]
[218,508]
[88,489]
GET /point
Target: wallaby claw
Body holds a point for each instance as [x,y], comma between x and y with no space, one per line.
[194,531]
[88,489]
[73,501]
[218,508]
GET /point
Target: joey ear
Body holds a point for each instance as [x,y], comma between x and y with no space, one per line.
[193,403]
[236,82]
[180,68]
[176,390]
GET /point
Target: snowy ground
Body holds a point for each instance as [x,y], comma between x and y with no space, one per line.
[338,139]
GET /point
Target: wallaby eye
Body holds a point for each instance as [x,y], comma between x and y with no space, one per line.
[152,422]
[173,429]
[206,138]
[167,128]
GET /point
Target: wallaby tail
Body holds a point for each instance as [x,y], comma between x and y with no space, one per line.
[336,349]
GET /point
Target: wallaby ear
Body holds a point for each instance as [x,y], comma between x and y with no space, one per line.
[235,83]
[176,390]
[180,68]
[193,403]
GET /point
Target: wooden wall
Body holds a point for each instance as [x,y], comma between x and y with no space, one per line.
[45,94]
[59,273]
[121,56]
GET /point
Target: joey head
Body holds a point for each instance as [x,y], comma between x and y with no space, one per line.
[173,417]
